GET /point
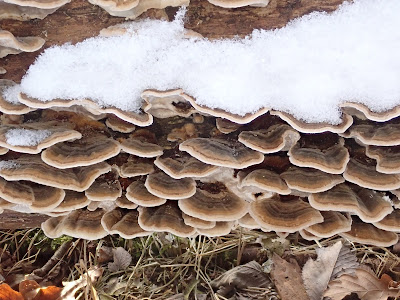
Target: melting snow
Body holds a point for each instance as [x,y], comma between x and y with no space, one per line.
[26,137]
[306,68]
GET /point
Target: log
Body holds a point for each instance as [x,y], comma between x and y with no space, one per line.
[79,20]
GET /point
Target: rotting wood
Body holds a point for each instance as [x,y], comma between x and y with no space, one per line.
[17,220]
[79,20]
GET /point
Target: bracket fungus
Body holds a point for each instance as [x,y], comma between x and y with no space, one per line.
[367,233]
[161,156]
[79,224]
[83,152]
[117,124]
[365,175]
[167,217]
[331,160]
[220,228]
[377,134]
[134,8]
[9,44]
[32,138]
[184,166]
[140,147]
[369,205]
[124,202]
[387,158]
[304,127]
[277,138]
[32,168]
[138,193]
[239,3]
[284,214]
[163,186]
[9,103]
[383,116]
[266,180]
[104,188]
[23,13]
[197,223]
[310,180]
[214,202]
[222,153]
[123,222]
[334,223]
[166,104]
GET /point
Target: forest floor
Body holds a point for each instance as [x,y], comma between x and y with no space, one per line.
[163,266]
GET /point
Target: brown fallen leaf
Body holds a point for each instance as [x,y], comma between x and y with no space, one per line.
[331,262]
[31,290]
[7,293]
[287,279]
[70,288]
[364,283]
[240,278]
[121,260]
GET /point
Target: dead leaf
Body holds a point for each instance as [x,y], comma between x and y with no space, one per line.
[331,262]
[364,283]
[287,279]
[239,278]
[7,293]
[70,288]
[122,260]
[31,290]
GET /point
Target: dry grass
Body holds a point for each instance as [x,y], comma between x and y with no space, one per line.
[165,265]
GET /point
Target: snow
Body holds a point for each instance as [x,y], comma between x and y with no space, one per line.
[26,137]
[306,68]
[8,164]
[10,94]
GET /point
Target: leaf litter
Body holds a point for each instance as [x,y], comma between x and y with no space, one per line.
[244,265]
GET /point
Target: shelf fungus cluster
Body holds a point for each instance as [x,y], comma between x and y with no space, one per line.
[131,9]
[186,169]
[25,10]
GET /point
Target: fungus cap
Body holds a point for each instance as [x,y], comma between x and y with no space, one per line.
[123,222]
[79,224]
[332,160]
[387,158]
[166,104]
[286,215]
[221,153]
[8,107]
[84,152]
[166,217]
[32,168]
[366,233]
[9,44]
[32,138]
[239,3]
[197,223]
[266,180]
[218,205]
[137,193]
[220,228]
[304,127]
[371,115]
[310,180]
[163,186]
[384,134]
[365,175]
[334,223]
[184,166]
[278,137]
[369,205]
